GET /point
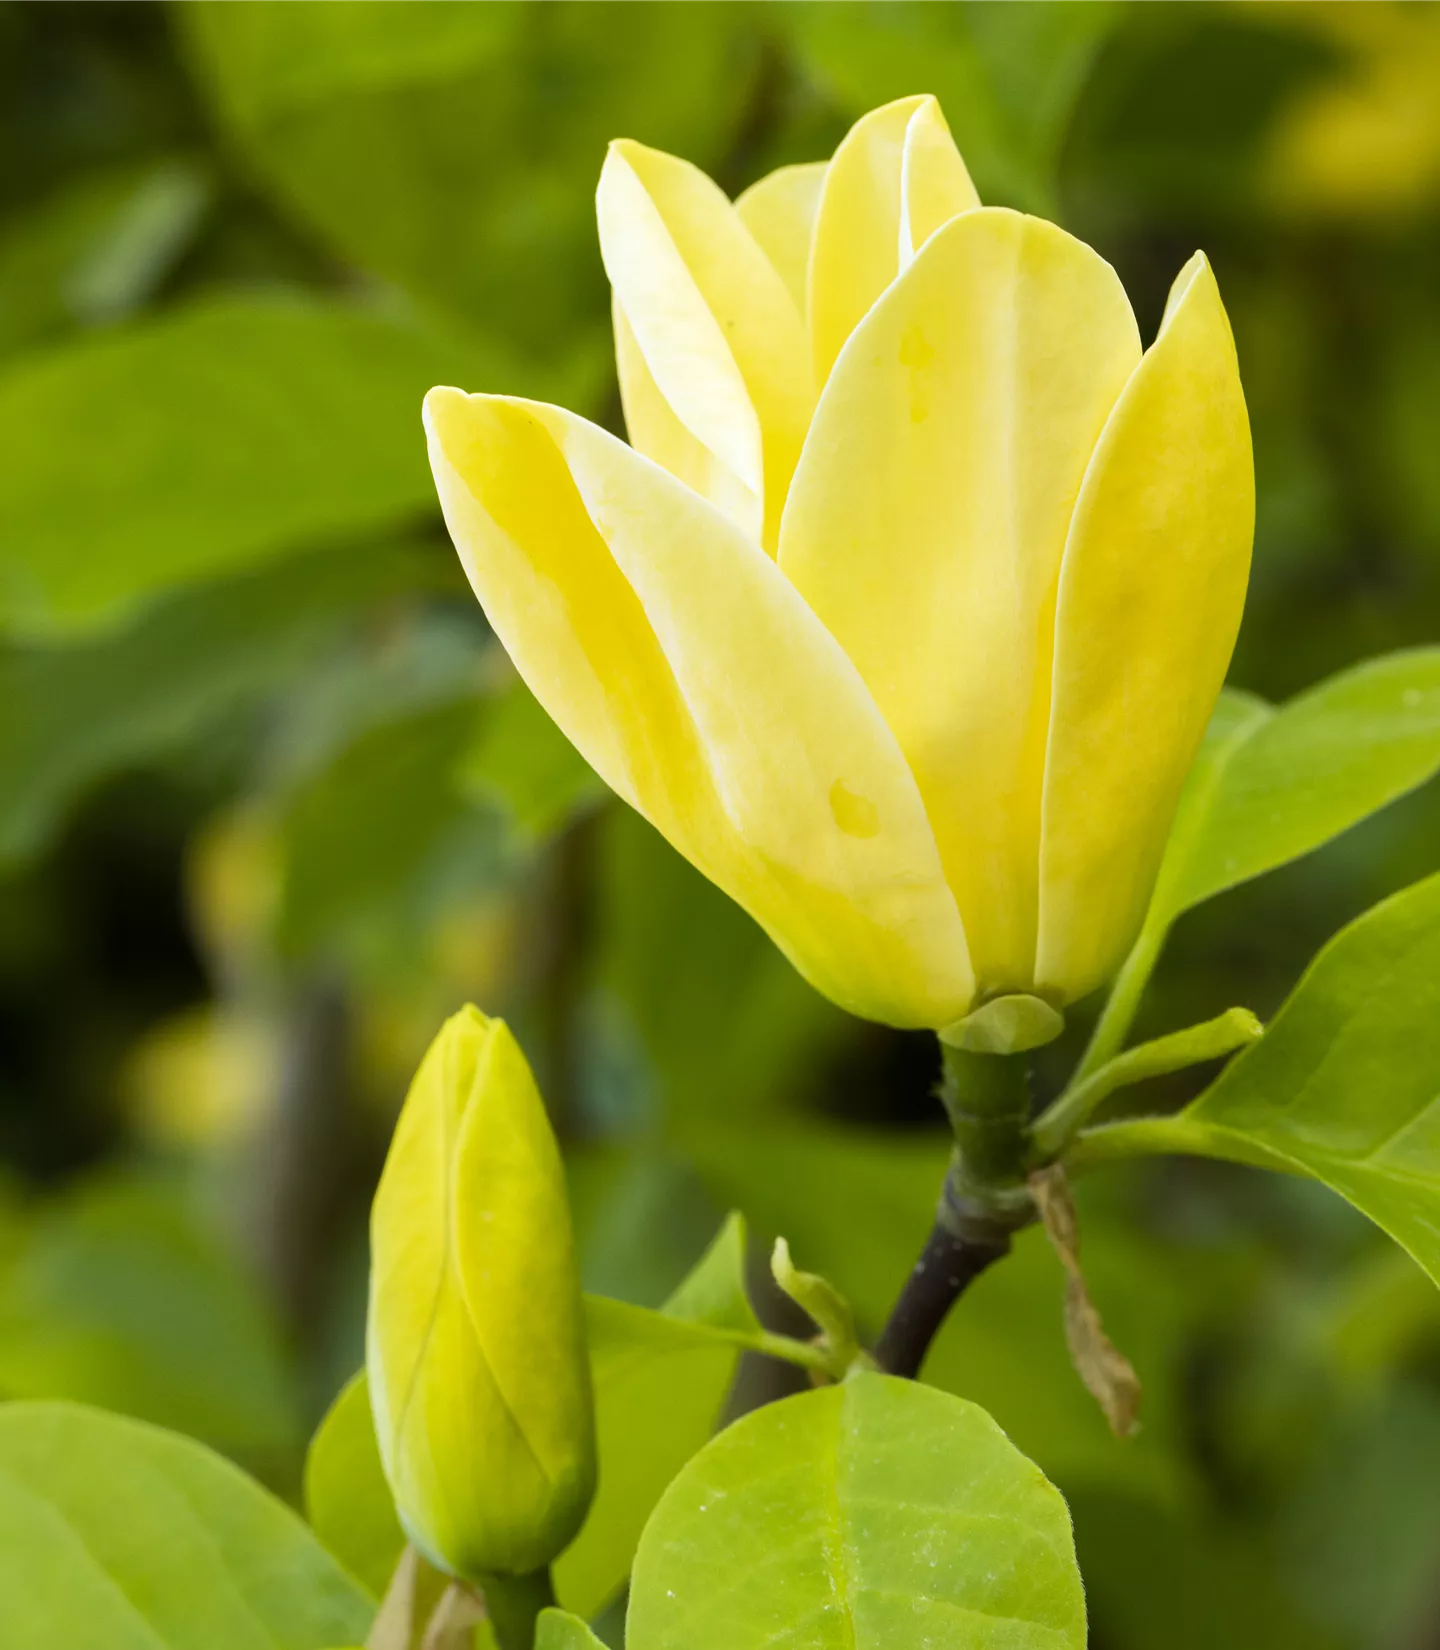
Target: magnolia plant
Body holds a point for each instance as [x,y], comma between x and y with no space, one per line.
[904,616]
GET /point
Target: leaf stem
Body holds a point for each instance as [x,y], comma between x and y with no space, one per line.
[1121,1005]
[1236,1028]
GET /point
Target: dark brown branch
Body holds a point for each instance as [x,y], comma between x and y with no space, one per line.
[947,1266]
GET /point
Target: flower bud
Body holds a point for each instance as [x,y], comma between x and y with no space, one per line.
[479,1377]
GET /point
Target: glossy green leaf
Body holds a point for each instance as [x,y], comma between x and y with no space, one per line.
[874,1515]
[119,1297]
[346,1497]
[117,1536]
[216,437]
[69,715]
[1272,784]
[1345,1084]
[661,1379]
[559,1630]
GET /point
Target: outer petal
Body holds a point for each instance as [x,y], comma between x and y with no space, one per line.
[1151,592]
[718,333]
[894,179]
[682,664]
[927,520]
[779,212]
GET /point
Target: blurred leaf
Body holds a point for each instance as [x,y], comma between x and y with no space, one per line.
[874,1513]
[522,761]
[217,437]
[1208,1584]
[1345,1084]
[69,715]
[382,838]
[727,1025]
[642,1218]
[347,1499]
[118,1534]
[97,249]
[1362,1532]
[1007,76]
[455,149]
[272,61]
[118,1297]
[1178,114]
[1270,785]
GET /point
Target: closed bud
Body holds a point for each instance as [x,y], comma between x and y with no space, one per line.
[479,1377]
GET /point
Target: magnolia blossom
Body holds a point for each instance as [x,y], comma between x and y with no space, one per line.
[905,610]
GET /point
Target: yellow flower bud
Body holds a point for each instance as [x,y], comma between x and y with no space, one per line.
[904,613]
[475,1346]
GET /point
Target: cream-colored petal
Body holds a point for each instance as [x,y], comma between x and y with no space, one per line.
[1151,592]
[682,664]
[719,334]
[927,520]
[871,196]
[779,211]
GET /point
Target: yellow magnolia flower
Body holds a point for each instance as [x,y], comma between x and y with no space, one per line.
[475,1343]
[906,610]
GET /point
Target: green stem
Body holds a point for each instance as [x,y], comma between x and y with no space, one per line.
[987,1097]
[1118,1015]
[514,1602]
[1234,1029]
[790,1351]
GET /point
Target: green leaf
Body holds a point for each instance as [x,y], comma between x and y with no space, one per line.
[454,150]
[1272,784]
[117,1536]
[1008,77]
[521,760]
[1345,1084]
[346,1497]
[232,432]
[661,1379]
[118,1297]
[559,1630]
[382,838]
[70,715]
[878,1513]
[727,1024]
[96,249]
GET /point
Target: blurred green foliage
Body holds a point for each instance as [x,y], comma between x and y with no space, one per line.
[267,785]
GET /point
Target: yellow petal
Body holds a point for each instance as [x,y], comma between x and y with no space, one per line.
[1151,591]
[779,212]
[934,184]
[927,520]
[719,336]
[896,173]
[656,431]
[679,660]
